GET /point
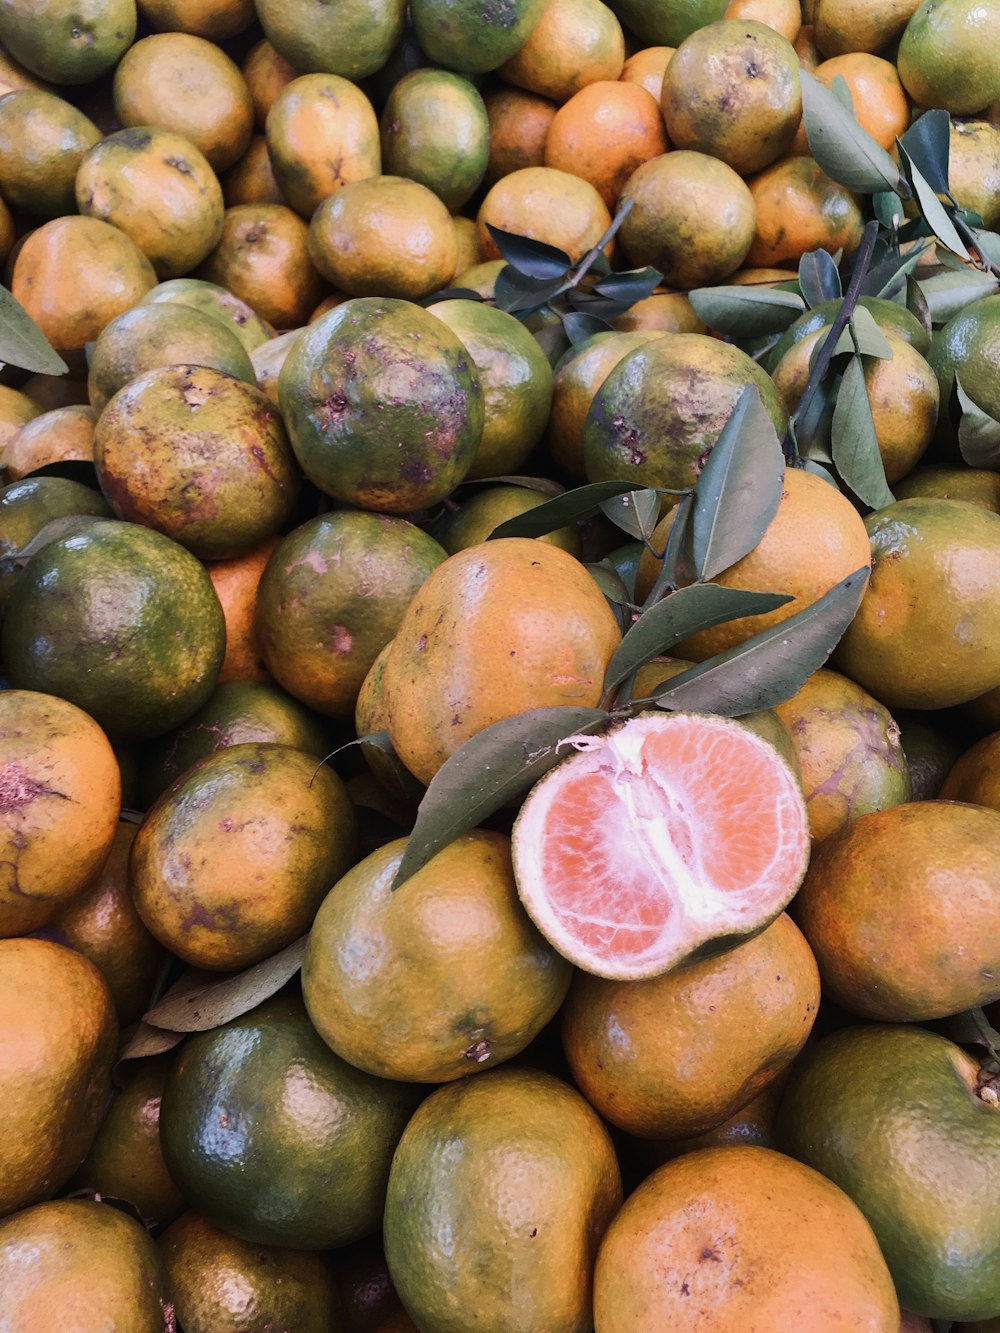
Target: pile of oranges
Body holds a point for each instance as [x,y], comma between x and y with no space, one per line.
[323,298]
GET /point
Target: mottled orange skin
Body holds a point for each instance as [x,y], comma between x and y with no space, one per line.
[266,75]
[268,360]
[603,133]
[262,256]
[546,204]
[63,435]
[16,410]
[519,125]
[799,208]
[741,1238]
[974,168]
[60,795]
[251,179]
[574,43]
[389,772]
[57,1045]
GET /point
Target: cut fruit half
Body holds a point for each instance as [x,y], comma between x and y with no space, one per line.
[652,841]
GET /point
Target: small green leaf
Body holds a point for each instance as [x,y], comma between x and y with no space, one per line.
[739,488]
[886,278]
[535,259]
[630,285]
[868,338]
[818,470]
[610,583]
[580,327]
[927,143]
[22,343]
[636,513]
[855,444]
[845,151]
[936,214]
[494,767]
[570,507]
[889,209]
[746,312]
[772,666]
[947,294]
[212,1003]
[978,433]
[683,613]
[819,279]
[988,243]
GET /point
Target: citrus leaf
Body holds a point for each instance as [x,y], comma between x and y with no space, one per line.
[947,294]
[819,279]
[222,999]
[845,151]
[978,433]
[684,612]
[513,291]
[818,470]
[855,444]
[544,485]
[739,488]
[869,340]
[534,259]
[889,209]
[927,143]
[746,312]
[495,766]
[570,507]
[148,1040]
[916,303]
[886,278]
[610,582]
[580,327]
[988,243]
[630,285]
[935,214]
[772,666]
[635,513]
[22,343]
[678,562]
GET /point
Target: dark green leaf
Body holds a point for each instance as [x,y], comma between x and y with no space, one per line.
[819,279]
[512,291]
[739,488]
[610,583]
[746,312]
[888,209]
[636,513]
[632,285]
[936,214]
[494,767]
[971,1028]
[220,1000]
[580,327]
[949,293]
[927,144]
[533,258]
[601,307]
[571,507]
[22,343]
[978,433]
[855,444]
[868,338]
[678,562]
[684,612]
[450,294]
[845,151]
[544,485]
[772,666]
[552,339]
[916,303]
[818,470]
[886,279]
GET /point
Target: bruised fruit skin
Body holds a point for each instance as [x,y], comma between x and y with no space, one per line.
[232,862]
[383,405]
[199,456]
[60,794]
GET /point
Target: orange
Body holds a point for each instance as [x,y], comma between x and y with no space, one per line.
[236,582]
[880,102]
[497,629]
[784,16]
[486,508]
[693,218]
[49,391]
[799,208]
[668,21]
[66,44]
[741,1237]
[60,795]
[603,133]
[266,75]
[974,168]
[66,434]
[269,358]
[57,1046]
[813,542]
[500,1190]
[845,26]
[460,980]
[663,312]
[806,49]
[288,831]
[16,410]
[732,89]
[926,633]
[670,1057]
[647,67]
[353,38]
[213,20]
[26,508]
[463,36]
[262,256]
[14,77]
[945,57]
[435,130]
[383,763]
[548,205]
[322,134]
[928,946]
[975,777]
[467,241]
[715,844]
[385,236]
[159,190]
[176,82]
[251,179]
[518,128]
[574,43]
[42,141]
[848,749]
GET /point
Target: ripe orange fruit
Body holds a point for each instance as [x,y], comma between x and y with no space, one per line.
[63,46]
[814,540]
[670,1057]
[236,582]
[345,39]
[514,1163]
[215,21]
[173,81]
[497,629]
[548,205]
[709,859]
[288,831]
[43,139]
[266,74]
[14,77]
[663,312]
[385,236]
[470,979]
[435,130]
[845,26]
[216,302]
[262,256]
[693,218]
[784,16]
[732,89]
[880,101]
[975,777]
[799,208]
[268,359]
[974,167]
[647,67]
[603,133]
[715,1239]
[57,1045]
[849,751]
[928,947]
[518,128]
[573,44]
[66,434]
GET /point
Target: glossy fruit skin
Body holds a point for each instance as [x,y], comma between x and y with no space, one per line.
[273,1137]
[26,506]
[891,1115]
[473,37]
[434,130]
[68,43]
[946,57]
[668,22]
[42,141]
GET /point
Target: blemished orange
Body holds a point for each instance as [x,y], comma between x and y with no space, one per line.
[741,1238]
[671,1057]
[603,133]
[659,839]
[647,68]
[784,16]
[575,42]
[519,126]
[799,208]
[262,256]
[548,205]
